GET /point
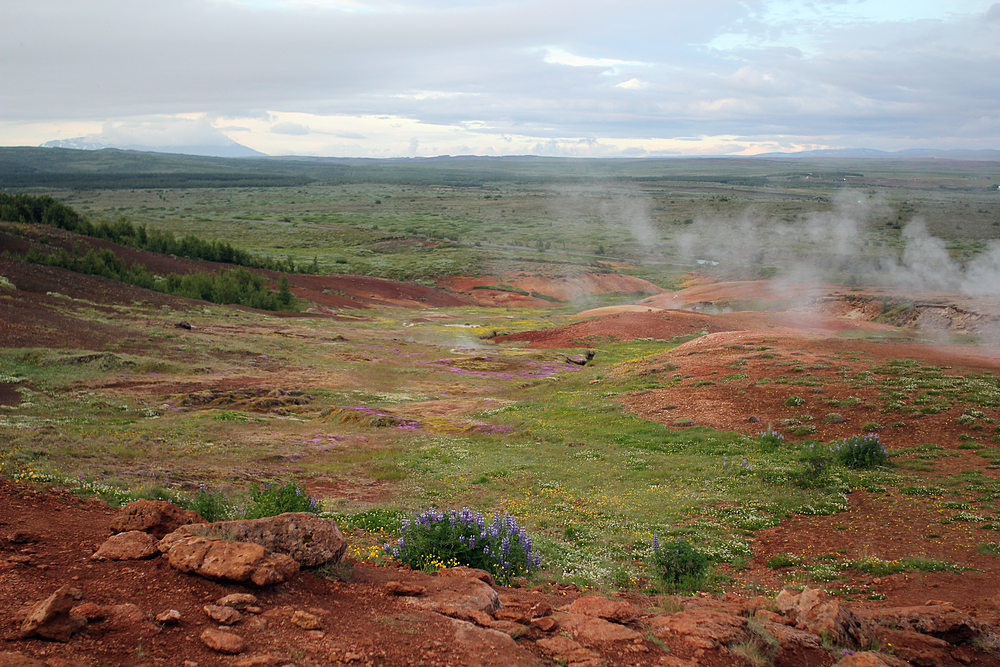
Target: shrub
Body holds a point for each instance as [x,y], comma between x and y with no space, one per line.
[783,560]
[861,452]
[769,440]
[210,505]
[678,564]
[434,540]
[272,500]
[813,474]
[794,401]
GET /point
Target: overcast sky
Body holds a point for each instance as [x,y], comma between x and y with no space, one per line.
[381,78]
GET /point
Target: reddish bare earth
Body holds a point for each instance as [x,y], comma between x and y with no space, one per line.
[810,348]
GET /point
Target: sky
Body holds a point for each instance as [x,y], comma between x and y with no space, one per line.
[583,78]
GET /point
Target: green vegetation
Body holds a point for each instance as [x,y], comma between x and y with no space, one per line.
[235,286]
[434,540]
[678,565]
[400,409]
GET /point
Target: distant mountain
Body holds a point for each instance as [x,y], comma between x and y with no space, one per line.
[953,154]
[232,149]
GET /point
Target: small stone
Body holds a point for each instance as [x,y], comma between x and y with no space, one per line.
[404,589]
[90,611]
[222,615]
[51,617]
[545,623]
[306,621]
[223,641]
[169,617]
[238,601]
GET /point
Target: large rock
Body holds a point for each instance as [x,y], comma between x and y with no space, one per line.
[130,545]
[307,538]
[701,629]
[812,611]
[871,659]
[156,517]
[51,618]
[590,630]
[615,611]
[214,558]
[942,621]
[459,594]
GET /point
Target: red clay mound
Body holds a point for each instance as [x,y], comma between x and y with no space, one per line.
[620,327]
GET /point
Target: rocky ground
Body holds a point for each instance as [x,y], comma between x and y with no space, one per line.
[355,614]
[145,610]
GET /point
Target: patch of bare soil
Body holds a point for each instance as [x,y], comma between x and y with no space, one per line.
[548,285]
[619,327]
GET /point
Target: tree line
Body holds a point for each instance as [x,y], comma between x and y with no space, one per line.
[45,210]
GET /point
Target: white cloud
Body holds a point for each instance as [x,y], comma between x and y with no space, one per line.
[483,74]
[633,84]
[294,129]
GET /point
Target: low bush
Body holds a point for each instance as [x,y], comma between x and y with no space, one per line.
[272,500]
[434,540]
[679,565]
[862,452]
[769,440]
[211,505]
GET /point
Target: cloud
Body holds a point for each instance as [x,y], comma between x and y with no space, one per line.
[542,69]
[294,129]
[633,84]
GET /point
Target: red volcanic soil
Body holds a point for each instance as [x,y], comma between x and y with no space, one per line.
[548,284]
[619,327]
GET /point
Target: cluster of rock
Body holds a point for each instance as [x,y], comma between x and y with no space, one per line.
[794,629]
[258,552]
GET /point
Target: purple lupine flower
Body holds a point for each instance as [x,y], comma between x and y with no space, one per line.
[656,542]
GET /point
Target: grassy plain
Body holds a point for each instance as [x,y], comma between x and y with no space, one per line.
[396,410]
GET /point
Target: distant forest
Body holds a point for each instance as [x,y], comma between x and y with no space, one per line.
[45,210]
[234,286]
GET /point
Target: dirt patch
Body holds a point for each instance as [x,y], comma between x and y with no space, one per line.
[9,395]
[619,327]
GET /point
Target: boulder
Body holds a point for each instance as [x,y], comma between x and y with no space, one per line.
[567,651]
[51,617]
[937,620]
[214,558]
[589,630]
[615,611]
[812,611]
[307,538]
[455,596]
[156,517]
[130,545]
[917,649]
[870,659]
[701,629]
